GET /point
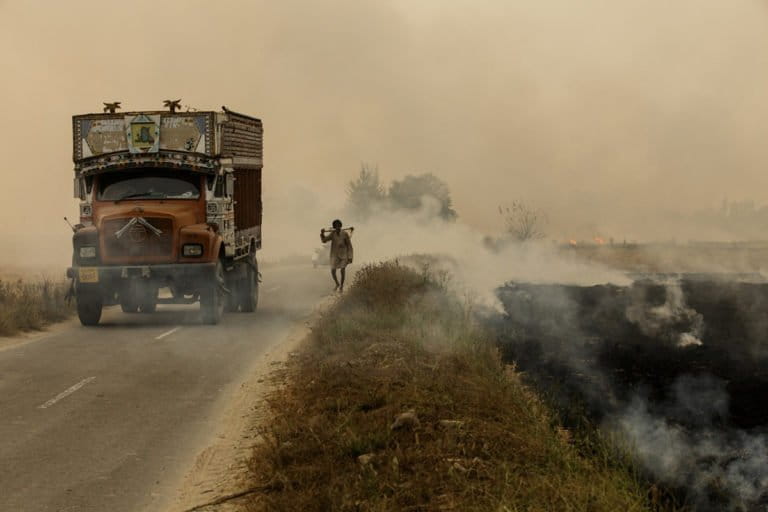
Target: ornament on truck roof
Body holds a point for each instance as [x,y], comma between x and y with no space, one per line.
[111,108]
[172,105]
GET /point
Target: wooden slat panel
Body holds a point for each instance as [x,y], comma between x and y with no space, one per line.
[248,207]
[241,136]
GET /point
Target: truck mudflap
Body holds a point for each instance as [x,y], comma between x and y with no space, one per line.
[182,273]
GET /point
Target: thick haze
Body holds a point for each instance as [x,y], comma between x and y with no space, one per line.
[610,115]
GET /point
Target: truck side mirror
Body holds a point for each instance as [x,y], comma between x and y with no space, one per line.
[229,186]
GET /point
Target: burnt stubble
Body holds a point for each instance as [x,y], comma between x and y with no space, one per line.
[676,364]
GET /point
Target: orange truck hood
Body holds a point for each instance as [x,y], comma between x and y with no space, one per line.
[184,212]
[138,246]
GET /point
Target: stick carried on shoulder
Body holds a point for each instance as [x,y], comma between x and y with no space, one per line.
[350,229]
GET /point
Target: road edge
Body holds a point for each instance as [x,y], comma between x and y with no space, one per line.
[221,468]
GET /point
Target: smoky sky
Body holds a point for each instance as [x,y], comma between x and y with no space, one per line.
[613,116]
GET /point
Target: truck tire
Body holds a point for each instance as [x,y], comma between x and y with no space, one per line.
[148,302]
[212,297]
[89,306]
[128,301]
[249,288]
[148,307]
[232,300]
[129,306]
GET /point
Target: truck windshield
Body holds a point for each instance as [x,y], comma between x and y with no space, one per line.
[154,184]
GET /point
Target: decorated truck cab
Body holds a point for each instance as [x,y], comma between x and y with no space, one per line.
[169,201]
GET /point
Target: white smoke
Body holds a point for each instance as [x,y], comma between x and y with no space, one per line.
[726,470]
[389,234]
[476,267]
[667,320]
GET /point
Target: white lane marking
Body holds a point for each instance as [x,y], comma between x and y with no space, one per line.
[168,333]
[65,393]
[273,289]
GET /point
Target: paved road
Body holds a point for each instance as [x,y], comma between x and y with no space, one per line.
[107,418]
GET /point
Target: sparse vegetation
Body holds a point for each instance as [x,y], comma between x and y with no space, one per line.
[31,305]
[523,222]
[365,193]
[410,192]
[400,402]
[424,193]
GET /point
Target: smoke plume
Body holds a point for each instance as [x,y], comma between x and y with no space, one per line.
[612,116]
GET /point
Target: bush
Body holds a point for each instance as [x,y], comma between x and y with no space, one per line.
[26,306]
[387,285]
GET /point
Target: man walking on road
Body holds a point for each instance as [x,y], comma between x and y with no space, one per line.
[341,251]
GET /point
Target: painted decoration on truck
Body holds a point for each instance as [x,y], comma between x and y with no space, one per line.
[100,136]
[184,133]
[143,133]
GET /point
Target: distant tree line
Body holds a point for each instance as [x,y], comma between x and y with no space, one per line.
[428,194]
[367,195]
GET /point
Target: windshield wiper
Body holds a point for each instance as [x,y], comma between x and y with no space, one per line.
[145,195]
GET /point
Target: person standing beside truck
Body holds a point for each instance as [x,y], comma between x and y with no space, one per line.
[341,251]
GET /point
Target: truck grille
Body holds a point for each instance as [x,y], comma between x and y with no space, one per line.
[138,243]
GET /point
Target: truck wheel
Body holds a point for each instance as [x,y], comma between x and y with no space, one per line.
[128,306]
[232,300]
[149,301]
[128,300]
[89,306]
[148,307]
[249,288]
[212,297]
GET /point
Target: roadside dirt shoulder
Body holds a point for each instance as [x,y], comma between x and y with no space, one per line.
[218,476]
[49,331]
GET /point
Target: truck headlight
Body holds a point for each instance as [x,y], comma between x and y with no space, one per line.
[88,251]
[192,250]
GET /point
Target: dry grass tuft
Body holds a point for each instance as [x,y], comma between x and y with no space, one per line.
[31,305]
[399,403]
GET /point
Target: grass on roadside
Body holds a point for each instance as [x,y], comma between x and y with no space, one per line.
[398,402]
[31,305]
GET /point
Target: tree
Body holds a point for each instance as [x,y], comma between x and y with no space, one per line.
[409,194]
[523,222]
[365,193]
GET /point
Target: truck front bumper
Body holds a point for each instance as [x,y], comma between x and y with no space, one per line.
[184,274]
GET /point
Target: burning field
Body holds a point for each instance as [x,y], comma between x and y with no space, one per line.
[674,364]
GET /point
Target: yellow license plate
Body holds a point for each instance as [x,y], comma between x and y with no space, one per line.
[88,275]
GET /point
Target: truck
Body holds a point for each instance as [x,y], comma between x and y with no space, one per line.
[169,201]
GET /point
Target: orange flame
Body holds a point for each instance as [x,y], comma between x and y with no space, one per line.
[599,240]
[572,242]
